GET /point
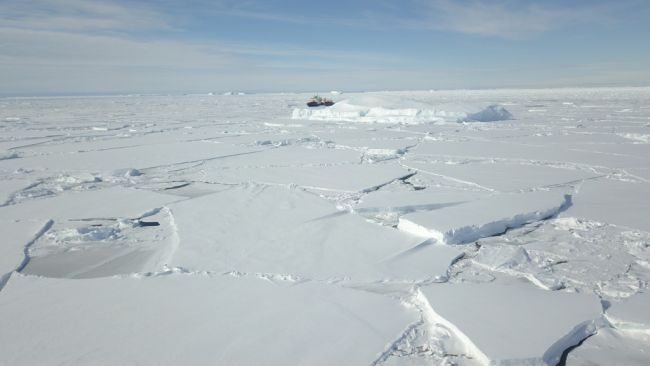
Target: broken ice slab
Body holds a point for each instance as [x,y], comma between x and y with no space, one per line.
[282,230]
[612,347]
[632,313]
[514,324]
[194,319]
[493,215]
[99,203]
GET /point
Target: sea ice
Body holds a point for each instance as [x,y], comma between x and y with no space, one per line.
[209,229]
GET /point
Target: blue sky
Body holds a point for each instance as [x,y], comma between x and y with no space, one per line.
[115,46]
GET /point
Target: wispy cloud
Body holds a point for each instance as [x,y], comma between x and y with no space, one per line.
[163,45]
[44,47]
[506,19]
[79,15]
[66,44]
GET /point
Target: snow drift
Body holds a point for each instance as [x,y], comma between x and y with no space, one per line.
[374,109]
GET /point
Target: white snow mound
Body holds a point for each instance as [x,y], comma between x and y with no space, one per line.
[374,109]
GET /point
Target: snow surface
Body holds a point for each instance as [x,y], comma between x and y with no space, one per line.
[208,320]
[245,229]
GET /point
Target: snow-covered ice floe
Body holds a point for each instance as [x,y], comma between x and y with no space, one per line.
[288,231]
[379,109]
[194,319]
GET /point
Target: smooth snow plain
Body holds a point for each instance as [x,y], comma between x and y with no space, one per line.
[494,227]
